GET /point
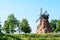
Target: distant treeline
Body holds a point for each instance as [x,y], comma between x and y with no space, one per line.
[12,24]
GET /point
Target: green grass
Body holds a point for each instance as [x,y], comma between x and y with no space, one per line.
[48,36]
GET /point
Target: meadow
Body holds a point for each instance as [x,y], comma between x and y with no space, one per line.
[47,36]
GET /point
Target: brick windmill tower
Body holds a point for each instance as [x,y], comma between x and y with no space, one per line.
[44,26]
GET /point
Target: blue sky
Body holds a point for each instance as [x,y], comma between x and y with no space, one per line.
[29,9]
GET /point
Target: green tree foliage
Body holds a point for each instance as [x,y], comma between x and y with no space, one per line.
[6,27]
[25,26]
[10,24]
[58,26]
[0,28]
[53,24]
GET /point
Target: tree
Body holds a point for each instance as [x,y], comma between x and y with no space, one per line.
[58,26]
[25,26]
[53,24]
[10,24]
[6,27]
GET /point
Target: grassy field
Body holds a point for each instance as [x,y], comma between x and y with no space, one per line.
[48,36]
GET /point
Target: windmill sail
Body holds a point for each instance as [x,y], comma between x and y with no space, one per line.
[39,15]
[37,20]
[41,11]
[45,12]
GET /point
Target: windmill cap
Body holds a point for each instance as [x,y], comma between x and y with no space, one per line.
[45,16]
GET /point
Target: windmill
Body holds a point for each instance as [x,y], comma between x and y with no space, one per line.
[44,26]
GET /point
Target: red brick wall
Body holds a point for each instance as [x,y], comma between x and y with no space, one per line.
[47,29]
